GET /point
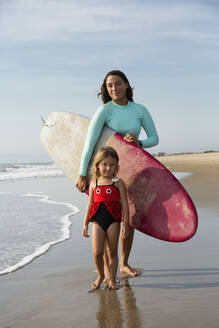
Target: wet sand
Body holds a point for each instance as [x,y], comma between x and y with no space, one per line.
[179,285]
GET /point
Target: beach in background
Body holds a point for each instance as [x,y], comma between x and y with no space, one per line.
[179,285]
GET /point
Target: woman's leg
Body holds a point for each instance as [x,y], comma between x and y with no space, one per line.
[98,240]
[126,245]
[113,240]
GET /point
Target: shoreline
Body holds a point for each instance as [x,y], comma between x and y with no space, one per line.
[40,250]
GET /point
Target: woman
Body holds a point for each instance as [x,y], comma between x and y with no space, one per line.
[120,113]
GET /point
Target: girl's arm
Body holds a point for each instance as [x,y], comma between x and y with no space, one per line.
[86,218]
[125,208]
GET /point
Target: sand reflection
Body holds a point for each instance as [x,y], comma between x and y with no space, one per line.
[118,309]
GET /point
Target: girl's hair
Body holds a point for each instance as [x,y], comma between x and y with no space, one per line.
[103,153]
[103,90]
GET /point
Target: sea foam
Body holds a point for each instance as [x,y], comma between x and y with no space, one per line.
[22,171]
[29,235]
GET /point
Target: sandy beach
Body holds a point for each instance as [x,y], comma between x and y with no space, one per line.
[179,285]
[203,184]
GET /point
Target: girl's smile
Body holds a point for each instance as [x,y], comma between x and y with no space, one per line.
[108,167]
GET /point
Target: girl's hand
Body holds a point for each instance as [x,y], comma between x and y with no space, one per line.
[85,231]
[82,183]
[125,230]
[131,138]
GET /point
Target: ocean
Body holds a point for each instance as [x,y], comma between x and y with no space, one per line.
[30,222]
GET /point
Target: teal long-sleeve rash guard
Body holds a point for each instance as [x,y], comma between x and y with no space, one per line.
[122,119]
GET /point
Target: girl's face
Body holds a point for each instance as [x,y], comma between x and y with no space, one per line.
[116,88]
[108,167]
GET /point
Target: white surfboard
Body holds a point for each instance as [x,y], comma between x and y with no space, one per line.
[63,137]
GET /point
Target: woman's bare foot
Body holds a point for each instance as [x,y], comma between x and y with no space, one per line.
[97,283]
[130,271]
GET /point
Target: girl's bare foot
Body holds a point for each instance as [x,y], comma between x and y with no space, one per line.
[113,285]
[130,271]
[97,283]
[106,275]
[107,282]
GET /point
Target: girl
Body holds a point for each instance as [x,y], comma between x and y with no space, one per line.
[106,205]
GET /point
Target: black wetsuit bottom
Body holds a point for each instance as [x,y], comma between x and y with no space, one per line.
[103,217]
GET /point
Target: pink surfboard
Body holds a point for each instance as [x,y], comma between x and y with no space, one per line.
[159,205]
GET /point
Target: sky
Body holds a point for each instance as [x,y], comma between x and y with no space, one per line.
[54,55]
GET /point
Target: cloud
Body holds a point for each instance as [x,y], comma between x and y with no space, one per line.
[62,38]
[104,21]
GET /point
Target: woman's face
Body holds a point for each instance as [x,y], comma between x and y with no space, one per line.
[116,88]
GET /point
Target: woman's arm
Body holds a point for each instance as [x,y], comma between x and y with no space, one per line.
[125,208]
[86,217]
[93,133]
[149,127]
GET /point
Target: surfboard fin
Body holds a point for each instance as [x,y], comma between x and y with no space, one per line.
[45,124]
[43,121]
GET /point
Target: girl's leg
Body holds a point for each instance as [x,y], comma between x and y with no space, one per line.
[106,263]
[113,240]
[98,240]
[126,245]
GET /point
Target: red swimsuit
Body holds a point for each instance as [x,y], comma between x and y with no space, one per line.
[106,206]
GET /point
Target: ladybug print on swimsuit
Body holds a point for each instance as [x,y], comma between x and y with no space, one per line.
[111,197]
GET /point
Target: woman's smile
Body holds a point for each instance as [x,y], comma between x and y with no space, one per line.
[116,88]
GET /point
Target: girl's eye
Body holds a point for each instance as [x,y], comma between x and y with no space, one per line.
[108,191]
[98,191]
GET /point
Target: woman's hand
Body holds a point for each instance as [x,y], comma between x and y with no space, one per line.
[82,183]
[131,138]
